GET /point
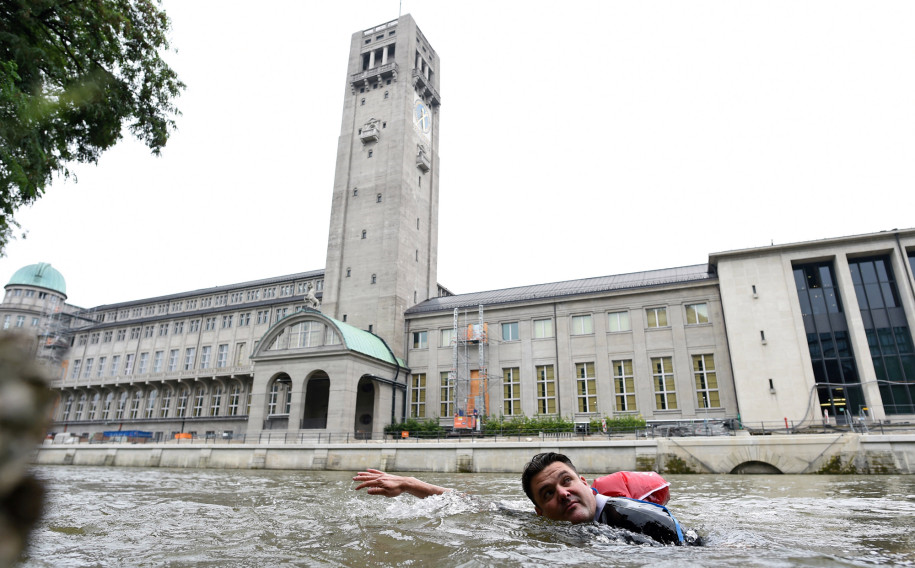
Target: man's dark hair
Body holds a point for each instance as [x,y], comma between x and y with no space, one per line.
[537,464]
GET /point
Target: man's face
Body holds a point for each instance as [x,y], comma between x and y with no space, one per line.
[561,495]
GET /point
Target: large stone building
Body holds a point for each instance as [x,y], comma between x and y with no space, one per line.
[769,335]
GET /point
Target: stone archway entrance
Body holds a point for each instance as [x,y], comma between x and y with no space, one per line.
[365,408]
[317,394]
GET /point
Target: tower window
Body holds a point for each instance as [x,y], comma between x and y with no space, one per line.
[344,318]
[370,153]
[378,198]
[388,82]
[384,124]
[419,181]
[368,40]
[417,222]
[363,233]
[348,272]
[370,328]
[363,102]
[385,94]
[417,255]
[362,90]
[355,192]
[374,278]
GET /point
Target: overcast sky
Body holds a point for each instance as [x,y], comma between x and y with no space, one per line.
[577,139]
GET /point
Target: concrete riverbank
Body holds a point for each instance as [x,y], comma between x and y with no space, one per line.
[823,453]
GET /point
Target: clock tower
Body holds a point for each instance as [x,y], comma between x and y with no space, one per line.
[382,248]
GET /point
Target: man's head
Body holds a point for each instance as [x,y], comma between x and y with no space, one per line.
[551,482]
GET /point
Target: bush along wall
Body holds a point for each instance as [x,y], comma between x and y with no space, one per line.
[427,428]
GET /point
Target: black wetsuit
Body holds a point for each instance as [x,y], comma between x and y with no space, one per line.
[640,517]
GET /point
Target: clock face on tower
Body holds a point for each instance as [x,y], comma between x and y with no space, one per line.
[422,118]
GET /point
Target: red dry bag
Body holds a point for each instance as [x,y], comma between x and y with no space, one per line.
[641,485]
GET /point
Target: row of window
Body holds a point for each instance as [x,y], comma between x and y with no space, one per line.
[586,384]
[112,366]
[238,297]
[20,321]
[696,314]
[226,321]
[19,292]
[183,404]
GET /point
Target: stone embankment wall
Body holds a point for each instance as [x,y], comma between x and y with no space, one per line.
[824,453]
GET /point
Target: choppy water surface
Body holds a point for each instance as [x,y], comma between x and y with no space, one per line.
[186,517]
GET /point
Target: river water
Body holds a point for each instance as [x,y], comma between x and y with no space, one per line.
[188,517]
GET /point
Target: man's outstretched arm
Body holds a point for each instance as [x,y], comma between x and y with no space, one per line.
[377,482]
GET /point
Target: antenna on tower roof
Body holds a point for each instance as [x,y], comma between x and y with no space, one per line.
[399,8]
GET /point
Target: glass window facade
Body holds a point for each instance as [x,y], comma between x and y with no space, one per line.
[834,368]
[888,337]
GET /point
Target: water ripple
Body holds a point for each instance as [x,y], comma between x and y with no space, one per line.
[177,518]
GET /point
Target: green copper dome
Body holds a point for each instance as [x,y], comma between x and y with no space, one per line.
[42,275]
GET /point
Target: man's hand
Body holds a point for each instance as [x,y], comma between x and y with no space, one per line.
[376,482]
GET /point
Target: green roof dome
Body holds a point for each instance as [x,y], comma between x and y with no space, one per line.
[42,275]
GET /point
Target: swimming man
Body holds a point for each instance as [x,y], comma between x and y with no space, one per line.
[552,483]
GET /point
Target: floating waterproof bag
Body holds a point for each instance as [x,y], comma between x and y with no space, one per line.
[641,485]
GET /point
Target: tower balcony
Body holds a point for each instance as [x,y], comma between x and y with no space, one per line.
[375,74]
[422,161]
[369,134]
[425,89]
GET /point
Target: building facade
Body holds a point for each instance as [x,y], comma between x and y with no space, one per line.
[799,333]
[822,330]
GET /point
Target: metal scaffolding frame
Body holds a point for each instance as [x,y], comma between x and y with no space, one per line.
[471,390]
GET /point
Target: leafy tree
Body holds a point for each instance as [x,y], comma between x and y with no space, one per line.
[73,73]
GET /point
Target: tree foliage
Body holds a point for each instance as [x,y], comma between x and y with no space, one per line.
[73,73]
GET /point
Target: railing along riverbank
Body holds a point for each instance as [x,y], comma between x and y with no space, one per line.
[669,429]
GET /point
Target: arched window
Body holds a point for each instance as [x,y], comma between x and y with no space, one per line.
[280,399]
[151,403]
[199,395]
[80,406]
[181,408]
[65,413]
[215,401]
[166,403]
[93,406]
[274,396]
[234,400]
[135,404]
[106,410]
[122,405]
[374,278]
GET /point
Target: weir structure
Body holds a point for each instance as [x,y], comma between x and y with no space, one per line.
[791,454]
